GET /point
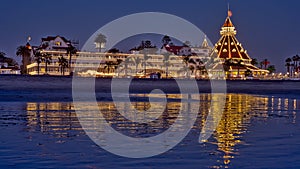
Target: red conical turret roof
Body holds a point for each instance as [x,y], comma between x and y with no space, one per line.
[228,23]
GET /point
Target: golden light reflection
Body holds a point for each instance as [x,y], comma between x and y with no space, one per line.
[59,118]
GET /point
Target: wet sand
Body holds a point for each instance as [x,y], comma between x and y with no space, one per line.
[51,88]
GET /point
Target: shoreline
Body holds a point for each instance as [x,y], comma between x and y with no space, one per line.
[52,88]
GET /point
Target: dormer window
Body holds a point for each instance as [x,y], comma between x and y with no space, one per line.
[58,43]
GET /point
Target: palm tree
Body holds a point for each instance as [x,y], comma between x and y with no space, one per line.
[137,62]
[166,40]
[265,63]
[71,50]
[38,59]
[186,60]
[46,58]
[24,52]
[200,68]
[296,59]
[227,63]
[261,65]
[2,54]
[271,69]
[192,68]
[239,64]
[100,41]
[109,66]
[167,62]
[126,62]
[63,63]
[146,57]
[248,72]
[254,62]
[112,65]
[288,65]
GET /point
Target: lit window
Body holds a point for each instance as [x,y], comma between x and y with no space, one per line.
[224,50]
[58,43]
[233,50]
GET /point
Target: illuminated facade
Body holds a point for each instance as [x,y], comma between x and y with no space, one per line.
[232,55]
[100,64]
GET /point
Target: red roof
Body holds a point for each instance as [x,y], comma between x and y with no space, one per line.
[173,49]
[229,47]
[228,23]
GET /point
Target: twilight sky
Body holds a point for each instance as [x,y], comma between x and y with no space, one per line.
[267,29]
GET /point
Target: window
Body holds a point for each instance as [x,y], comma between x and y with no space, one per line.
[58,43]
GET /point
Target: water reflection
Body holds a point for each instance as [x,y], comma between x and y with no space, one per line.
[60,119]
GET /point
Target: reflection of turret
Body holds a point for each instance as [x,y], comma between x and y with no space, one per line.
[236,116]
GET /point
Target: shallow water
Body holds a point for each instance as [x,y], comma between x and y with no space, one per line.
[255,132]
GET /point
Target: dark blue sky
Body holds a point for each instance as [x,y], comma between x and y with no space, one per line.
[267,29]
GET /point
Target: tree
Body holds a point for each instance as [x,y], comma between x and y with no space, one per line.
[114,50]
[127,61]
[71,50]
[296,59]
[9,61]
[265,63]
[167,62]
[254,62]
[239,64]
[2,54]
[24,52]
[46,58]
[100,41]
[271,69]
[38,59]
[109,66]
[227,64]
[187,43]
[288,65]
[112,65]
[146,57]
[137,62]
[63,63]
[248,73]
[166,40]
[192,68]
[186,60]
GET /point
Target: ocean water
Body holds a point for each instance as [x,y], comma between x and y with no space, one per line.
[256,131]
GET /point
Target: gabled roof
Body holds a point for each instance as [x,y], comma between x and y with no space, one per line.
[50,38]
[205,43]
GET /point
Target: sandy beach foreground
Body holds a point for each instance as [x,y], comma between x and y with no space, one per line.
[50,88]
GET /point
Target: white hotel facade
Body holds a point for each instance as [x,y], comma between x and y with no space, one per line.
[113,64]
